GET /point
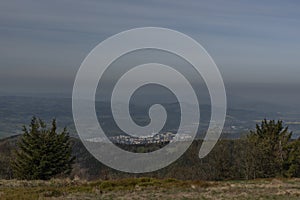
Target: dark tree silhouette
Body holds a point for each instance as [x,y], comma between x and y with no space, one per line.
[42,153]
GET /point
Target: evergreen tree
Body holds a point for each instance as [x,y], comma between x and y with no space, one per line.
[269,149]
[293,163]
[42,153]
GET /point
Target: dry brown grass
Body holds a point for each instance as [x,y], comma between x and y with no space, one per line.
[149,188]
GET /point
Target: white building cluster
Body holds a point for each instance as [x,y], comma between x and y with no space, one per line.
[157,138]
[154,139]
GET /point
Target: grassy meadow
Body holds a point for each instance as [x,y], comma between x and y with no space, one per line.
[149,188]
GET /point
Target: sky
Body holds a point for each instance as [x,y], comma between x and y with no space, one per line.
[255,44]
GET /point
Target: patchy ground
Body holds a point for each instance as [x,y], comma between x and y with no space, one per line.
[148,188]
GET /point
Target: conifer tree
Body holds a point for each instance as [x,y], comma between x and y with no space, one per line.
[42,153]
[293,163]
[269,149]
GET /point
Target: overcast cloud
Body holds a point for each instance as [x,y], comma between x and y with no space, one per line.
[255,44]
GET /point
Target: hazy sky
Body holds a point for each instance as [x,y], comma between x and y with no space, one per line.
[256,44]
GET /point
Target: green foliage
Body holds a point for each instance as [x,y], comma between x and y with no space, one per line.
[268,150]
[293,163]
[6,148]
[42,153]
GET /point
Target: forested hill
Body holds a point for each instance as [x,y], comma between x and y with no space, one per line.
[230,159]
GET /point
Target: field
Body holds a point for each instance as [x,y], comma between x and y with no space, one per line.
[148,188]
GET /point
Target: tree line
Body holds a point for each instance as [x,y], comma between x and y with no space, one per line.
[267,151]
